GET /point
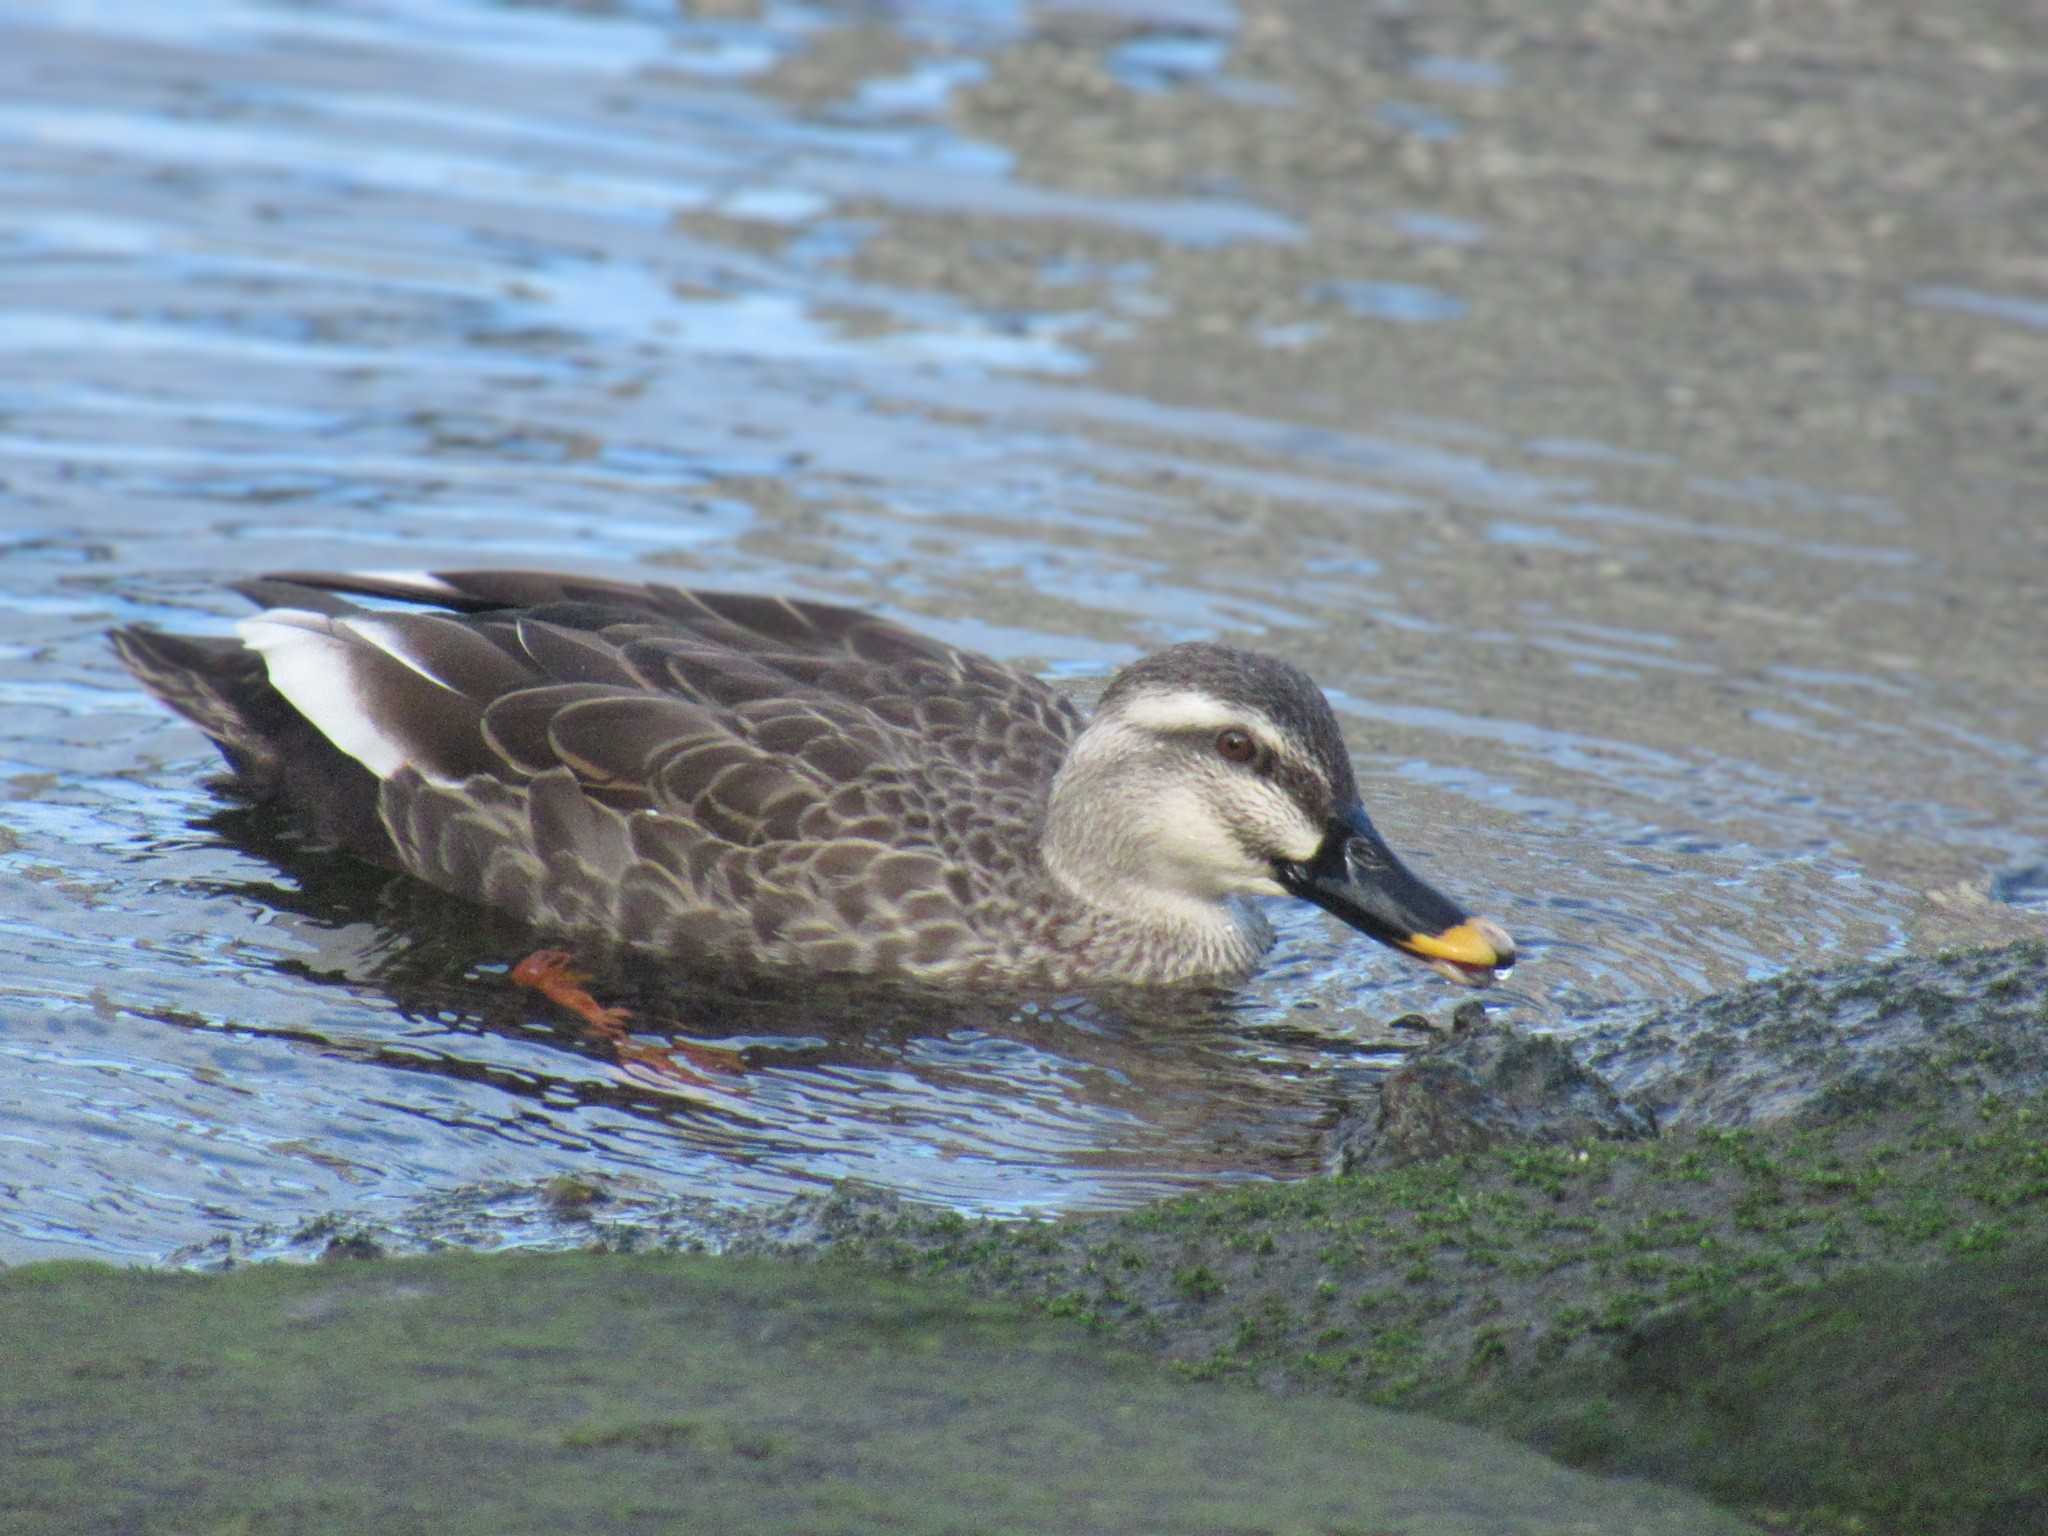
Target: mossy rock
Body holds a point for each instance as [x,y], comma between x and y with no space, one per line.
[604,1393]
[1892,1399]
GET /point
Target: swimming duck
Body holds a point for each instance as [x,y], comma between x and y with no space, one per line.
[762,782]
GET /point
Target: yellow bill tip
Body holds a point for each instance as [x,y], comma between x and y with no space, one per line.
[1479,942]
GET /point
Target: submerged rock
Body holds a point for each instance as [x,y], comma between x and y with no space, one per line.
[1804,1048]
[1819,1044]
[1480,1086]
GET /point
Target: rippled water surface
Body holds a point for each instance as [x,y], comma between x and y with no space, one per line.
[785,300]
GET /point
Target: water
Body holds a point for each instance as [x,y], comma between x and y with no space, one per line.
[457,283]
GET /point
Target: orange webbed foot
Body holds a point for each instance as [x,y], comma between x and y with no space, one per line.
[553,974]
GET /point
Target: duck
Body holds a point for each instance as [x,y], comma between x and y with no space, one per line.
[765,783]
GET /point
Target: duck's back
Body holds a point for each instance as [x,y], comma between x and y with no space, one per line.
[716,775]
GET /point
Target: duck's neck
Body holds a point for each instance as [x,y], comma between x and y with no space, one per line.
[1100,848]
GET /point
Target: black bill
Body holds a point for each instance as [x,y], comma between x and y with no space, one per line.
[1354,876]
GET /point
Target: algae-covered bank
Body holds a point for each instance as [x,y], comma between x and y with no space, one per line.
[1841,1329]
[1832,1318]
[1821,1300]
[620,1394]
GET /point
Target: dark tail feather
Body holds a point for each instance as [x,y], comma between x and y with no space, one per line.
[220,685]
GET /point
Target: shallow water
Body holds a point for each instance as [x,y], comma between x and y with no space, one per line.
[778,302]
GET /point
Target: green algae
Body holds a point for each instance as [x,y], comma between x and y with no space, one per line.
[1893,1399]
[1526,1288]
[497,1394]
[1829,1321]
[1835,1043]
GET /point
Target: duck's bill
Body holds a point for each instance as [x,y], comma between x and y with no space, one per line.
[1356,878]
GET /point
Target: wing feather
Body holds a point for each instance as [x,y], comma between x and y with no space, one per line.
[708,771]
[371,702]
[571,656]
[519,726]
[620,737]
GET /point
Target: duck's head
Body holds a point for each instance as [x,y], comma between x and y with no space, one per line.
[1209,772]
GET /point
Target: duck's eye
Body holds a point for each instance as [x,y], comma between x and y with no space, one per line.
[1235,746]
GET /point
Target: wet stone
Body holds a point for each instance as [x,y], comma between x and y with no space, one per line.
[1484,1084]
[1818,1045]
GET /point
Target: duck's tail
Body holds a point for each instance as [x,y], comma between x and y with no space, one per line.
[220,686]
[273,753]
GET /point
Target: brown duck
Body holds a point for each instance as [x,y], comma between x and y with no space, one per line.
[769,783]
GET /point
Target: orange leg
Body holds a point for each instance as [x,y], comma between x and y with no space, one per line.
[553,974]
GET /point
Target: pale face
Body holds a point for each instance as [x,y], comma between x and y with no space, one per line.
[1222,793]
[1178,796]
